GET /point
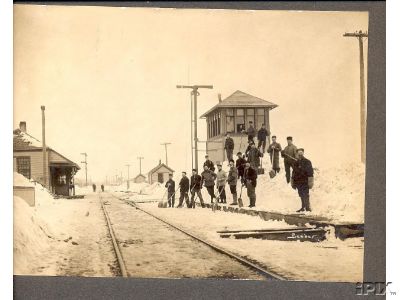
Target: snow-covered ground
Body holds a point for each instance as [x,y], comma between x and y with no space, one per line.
[330,260]
[60,236]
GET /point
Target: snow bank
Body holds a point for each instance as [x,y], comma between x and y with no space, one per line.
[20,180]
[31,237]
[338,193]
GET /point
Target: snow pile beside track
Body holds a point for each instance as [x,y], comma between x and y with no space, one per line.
[338,193]
[31,237]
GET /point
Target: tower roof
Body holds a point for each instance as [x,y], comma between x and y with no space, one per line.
[240,99]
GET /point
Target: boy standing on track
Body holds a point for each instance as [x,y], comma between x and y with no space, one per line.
[184,190]
[195,188]
[221,181]
[170,185]
[250,177]
[208,179]
[232,181]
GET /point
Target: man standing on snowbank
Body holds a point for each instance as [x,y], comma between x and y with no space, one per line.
[229,145]
[303,179]
[289,155]
[273,151]
[221,181]
[253,156]
[209,163]
[250,177]
[195,188]
[94,187]
[240,165]
[170,185]
[262,137]
[208,178]
[184,189]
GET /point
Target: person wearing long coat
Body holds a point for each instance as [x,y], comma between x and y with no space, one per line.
[274,149]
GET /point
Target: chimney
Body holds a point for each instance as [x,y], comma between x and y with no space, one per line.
[22,126]
[219,98]
[159,162]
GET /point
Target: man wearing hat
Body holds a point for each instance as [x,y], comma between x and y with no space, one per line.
[195,188]
[221,181]
[170,185]
[303,179]
[274,149]
[240,164]
[251,131]
[209,164]
[289,155]
[262,137]
[229,145]
[250,178]
[208,178]
[254,155]
[232,181]
[184,189]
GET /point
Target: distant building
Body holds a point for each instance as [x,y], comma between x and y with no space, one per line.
[139,179]
[28,161]
[232,115]
[159,173]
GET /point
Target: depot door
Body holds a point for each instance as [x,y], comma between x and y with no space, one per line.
[160,177]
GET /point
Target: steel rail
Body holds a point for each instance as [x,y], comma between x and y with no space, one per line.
[117,250]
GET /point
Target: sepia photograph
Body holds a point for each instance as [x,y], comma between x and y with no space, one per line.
[189,143]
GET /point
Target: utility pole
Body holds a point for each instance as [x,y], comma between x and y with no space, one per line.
[166,151]
[127,182]
[85,162]
[44,147]
[194,93]
[363,118]
[140,164]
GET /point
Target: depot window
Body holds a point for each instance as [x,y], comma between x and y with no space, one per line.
[24,166]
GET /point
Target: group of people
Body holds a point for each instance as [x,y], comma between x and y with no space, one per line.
[94,187]
[214,182]
[298,170]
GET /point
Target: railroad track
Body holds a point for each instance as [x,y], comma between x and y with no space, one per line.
[243,261]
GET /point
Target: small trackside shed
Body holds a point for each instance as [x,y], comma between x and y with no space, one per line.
[28,161]
[139,179]
[232,115]
[160,173]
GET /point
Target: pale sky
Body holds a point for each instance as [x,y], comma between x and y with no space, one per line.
[108,77]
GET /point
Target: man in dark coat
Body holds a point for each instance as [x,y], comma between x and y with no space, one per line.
[262,137]
[274,149]
[170,185]
[94,187]
[229,145]
[209,164]
[289,155]
[251,131]
[208,178]
[253,156]
[195,188]
[240,165]
[184,189]
[250,177]
[232,181]
[303,179]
